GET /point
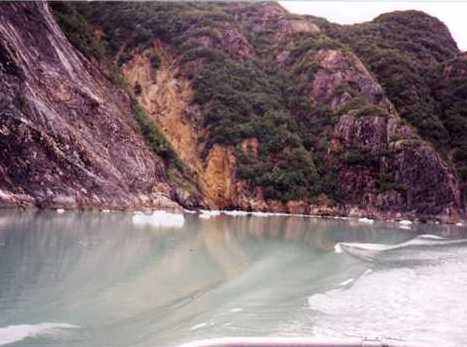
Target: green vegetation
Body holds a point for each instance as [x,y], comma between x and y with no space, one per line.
[154,137]
[242,101]
[73,18]
[451,94]
[408,52]
[254,98]
[77,29]
[402,49]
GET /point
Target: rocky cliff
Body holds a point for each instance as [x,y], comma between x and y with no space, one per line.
[68,137]
[262,109]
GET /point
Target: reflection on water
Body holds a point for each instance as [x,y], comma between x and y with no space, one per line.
[90,279]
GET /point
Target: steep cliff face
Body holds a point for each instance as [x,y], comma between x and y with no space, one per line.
[67,136]
[382,163]
[266,110]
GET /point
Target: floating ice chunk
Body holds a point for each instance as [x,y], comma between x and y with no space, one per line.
[14,333]
[366,220]
[407,227]
[262,214]
[339,217]
[405,222]
[160,219]
[105,211]
[459,224]
[211,213]
[189,211]
[60,210]
[236,309]
[236,213]
[338,248]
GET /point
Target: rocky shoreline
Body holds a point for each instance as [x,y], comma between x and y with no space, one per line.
[404,220]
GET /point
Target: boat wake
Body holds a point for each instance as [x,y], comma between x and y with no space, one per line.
[422,247]
[15,333]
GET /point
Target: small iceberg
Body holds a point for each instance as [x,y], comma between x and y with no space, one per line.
[60,210]
[405,222]
[206,214]
[159,219]
[338,248]
[263,214]
[212,213]
[235,213]
[236,309]
[366,220]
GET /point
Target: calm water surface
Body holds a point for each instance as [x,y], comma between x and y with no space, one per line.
[97,280]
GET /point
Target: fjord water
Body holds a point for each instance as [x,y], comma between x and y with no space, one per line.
[96,280]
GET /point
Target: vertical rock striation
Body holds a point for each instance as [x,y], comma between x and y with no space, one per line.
[67,135]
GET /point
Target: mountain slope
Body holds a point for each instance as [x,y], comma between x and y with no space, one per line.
[68,137]
[411,53]
[263,110]
[279,113]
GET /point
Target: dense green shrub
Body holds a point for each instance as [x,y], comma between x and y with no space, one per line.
[402,49]
[252,99]
[77,29]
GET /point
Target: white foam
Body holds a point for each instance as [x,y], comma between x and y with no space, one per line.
[198,326]
[159,219]
[60,210]
[14,333]
[430,237]
[405,222]
[316,298]
[344,283]
[366,220]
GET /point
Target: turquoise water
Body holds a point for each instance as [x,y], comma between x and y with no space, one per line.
[113,279]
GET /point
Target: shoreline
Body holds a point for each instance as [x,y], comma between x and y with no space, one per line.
[404,222]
